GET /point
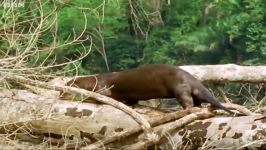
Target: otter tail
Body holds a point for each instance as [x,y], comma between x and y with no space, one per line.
[207,97]
[210,99]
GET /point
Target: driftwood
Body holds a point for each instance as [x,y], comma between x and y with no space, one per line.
[38,119]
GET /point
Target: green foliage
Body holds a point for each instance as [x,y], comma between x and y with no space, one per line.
[74,69]
[231,31]
[194,32]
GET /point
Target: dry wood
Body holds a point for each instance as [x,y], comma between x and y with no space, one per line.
[227,73]
[239,108]
[39,128]
[153,122]
[170,127]
[101,98]
[74,123]
[222,93]
[38,131]
[202,75]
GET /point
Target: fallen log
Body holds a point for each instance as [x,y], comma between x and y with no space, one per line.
[101,98]
[36,119]
[227,73]
[244,132]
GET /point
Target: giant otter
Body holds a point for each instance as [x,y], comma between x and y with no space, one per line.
[148,82]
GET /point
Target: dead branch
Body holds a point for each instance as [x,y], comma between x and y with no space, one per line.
[222,93]
[239,108]
[24,39]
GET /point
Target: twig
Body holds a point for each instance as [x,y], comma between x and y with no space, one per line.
[222,93]
[239,108]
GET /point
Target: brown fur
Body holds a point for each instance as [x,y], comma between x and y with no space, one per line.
[148,82]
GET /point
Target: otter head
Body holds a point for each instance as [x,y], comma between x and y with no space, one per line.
[87,83]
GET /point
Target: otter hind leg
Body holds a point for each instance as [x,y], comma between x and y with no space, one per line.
[183,96]
[186,101]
